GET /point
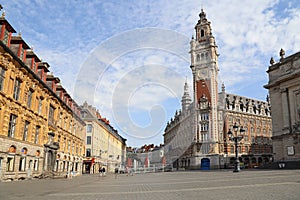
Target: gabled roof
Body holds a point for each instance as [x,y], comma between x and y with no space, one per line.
[7,24]
[19,40]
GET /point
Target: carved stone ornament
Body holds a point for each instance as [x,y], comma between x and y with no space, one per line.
[8,57]
[4,62]
[272,61]
[296,128]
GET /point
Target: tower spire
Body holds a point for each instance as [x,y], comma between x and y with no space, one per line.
[186,98]
[202,15]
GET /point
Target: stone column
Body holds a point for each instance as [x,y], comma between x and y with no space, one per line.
[285,111]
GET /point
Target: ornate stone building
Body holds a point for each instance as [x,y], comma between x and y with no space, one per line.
[104,146]
[284,89]
[41,132]
[197,135]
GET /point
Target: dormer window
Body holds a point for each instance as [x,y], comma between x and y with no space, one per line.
[53,86]
[6,36]
[33,66]
[6,31]
[19,46]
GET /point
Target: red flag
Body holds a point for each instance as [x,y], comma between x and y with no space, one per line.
[129,162]
[146,163]
[164,160]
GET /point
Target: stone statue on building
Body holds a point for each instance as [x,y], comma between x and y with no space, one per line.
[247,105]
[233,102]
[227,99]
[254,106]
[241,104]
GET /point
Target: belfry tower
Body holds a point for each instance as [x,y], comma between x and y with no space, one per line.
[197,138]
[204,66]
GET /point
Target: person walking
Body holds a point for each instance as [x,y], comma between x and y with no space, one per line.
[69,175]
[130,171]
[116,172]
[103,171]
[100,171]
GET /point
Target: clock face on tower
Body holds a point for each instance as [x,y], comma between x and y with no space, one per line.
[202,74]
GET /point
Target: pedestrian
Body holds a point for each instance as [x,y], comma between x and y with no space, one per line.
[103,171]
[69,174]
[130,171]
[100,171]
[116,172]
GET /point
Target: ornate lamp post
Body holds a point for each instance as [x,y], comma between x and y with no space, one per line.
[236,138]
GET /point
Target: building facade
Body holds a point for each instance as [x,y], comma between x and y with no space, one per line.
[284,90]
[41,133]
[196,138]
[104,146]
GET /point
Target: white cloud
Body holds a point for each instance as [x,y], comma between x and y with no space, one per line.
[95,41]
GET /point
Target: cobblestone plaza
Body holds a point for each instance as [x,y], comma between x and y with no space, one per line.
[251,184]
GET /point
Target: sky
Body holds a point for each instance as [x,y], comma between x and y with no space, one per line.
[130,59]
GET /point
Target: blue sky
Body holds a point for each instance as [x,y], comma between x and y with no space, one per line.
[130,58]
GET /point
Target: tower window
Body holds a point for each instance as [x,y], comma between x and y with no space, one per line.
[88,140]
[88,153]
[206,55]
[202,33]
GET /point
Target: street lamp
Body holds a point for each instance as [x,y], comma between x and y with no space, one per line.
[236,138]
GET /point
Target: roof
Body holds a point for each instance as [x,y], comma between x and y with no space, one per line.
[7,24]
[19,40]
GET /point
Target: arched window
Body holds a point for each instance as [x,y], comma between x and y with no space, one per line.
[24,151]
[198,58]
[202,33]
[12,149]
[37,153]
[11,159]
